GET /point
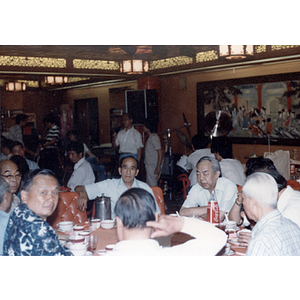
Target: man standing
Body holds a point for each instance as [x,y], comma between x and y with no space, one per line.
[153,153]
[209,179]
[113,188]
[5,203]
[83,172]
[138,223]
[129,140]
[15,132]
[11,174]
[273,234]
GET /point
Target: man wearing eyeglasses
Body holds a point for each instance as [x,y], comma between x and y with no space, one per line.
[10,173]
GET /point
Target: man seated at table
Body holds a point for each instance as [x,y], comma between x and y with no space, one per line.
[5,203]
[138,223]
[209,177]
[18,149]
[5,148]
[288,199]
[113,188]
[83,172]
[28,232]
[273,234]
[11,174]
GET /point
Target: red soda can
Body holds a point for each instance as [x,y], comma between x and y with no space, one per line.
[213,212]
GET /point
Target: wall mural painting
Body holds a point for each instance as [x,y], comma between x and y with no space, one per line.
[258,110]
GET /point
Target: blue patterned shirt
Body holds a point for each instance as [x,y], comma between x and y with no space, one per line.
[28,234]
[274,235]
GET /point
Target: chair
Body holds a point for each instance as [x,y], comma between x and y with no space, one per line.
[185,183]
[159,197]
[67,210]
[294,184]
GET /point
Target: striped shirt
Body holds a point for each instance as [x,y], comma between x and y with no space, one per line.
[53,133]
[274,235]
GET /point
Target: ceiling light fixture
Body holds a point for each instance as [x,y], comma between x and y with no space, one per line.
[236,51]
[56,80]
[15,86]
[134,66]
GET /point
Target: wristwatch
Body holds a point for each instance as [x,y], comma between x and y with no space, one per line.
[239,204]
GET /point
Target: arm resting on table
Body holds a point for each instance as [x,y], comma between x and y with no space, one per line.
[83,197]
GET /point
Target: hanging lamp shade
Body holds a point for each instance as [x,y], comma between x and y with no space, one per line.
[15,86]
[134,66]
[235,51]
[56,79]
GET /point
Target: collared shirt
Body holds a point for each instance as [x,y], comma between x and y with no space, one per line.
[114,188]
[28,234]
[233,170]
[289,205]
[192,160]
[274,235]
[3,224]
[82,174]
[15,134]
[152,145]
[31,164]
[208,241]
[15,202]
[225,193]
[129,140]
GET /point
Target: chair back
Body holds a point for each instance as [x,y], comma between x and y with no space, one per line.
[294,184]
[67,210]
[159,197]
[185,183]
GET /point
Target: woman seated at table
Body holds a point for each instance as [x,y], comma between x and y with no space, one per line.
[27,231]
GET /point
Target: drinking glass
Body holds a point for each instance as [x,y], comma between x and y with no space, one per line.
[93,242]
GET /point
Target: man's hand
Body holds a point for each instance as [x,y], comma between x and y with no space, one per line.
[244,238]
[165,225]
[82,199]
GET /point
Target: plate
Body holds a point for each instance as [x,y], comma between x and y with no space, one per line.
[88,253]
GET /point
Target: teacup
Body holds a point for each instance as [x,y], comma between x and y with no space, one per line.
[78,249]
[76,239]
[78,229]
[86,235]
[109,247]
[65,225]
[95,223]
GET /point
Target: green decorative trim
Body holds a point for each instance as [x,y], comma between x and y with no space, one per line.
[206,56]
[260,49]
[170,62]
[22,61]
[95,64]
[282,47]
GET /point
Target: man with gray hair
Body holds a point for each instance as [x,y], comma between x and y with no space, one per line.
[209,178]
[5,204]
[273,234]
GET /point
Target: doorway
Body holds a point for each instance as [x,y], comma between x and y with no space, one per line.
[87,120]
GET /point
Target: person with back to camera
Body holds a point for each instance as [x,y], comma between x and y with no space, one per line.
[138,224]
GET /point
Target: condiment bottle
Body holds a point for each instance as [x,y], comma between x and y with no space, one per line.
[213,209]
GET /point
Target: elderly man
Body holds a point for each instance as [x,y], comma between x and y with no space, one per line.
[129,140]
[273,234]
[138,223]
[5,203]
[209,179]
[18,149]
[11,174]
[83,172]
[113,188]
[27,231]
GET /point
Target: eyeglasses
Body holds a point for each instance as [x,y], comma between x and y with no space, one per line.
[10,177]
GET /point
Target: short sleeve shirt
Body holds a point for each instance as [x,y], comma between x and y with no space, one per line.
[152,145]
[129,141]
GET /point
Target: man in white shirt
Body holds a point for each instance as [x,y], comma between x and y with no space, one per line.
[138,224]
[129,140]
[83,172]
[200,143]
[113,188]
[210,179]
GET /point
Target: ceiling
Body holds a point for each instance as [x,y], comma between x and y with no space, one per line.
[113,53]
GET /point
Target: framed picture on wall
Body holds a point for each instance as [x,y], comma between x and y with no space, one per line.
[265,108]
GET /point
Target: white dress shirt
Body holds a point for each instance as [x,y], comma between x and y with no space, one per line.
[129,141]
[225,193]
[114,188]
[208,241]
[82,174]
[233,170]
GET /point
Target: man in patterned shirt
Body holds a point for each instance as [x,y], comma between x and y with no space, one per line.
[28,232]
[273,234]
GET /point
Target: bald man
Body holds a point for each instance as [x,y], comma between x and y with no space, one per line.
[10,173]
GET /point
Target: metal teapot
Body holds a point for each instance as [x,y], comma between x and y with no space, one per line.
[103,208]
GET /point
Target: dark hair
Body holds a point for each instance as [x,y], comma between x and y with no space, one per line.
[49,119]
[122,159]
[76,146]
[130,116]
[265,165]
[32,174]
[21,163]
[75,132]
[135,207]
[151,125]
[20,118]
[200,141]
[223,146]
[14,144]
[7,143]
